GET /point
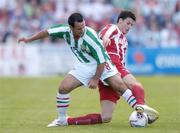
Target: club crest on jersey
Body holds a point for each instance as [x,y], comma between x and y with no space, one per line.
[85,48]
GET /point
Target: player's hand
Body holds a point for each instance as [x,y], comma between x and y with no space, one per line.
[93,83]
[23,39]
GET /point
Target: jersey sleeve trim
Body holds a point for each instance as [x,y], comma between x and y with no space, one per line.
[58,31]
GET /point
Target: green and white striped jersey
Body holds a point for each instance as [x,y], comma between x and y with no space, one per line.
[88,48]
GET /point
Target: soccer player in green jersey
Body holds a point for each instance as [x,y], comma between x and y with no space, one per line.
[94,63]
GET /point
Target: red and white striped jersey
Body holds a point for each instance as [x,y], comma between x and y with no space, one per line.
[118,45]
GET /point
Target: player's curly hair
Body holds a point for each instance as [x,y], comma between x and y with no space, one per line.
[75,17]
[126,14]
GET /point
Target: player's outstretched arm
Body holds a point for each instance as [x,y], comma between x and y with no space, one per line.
[40,35]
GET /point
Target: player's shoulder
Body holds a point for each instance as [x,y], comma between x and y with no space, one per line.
[62,26]
[115,30]
[90,31]
[114,27]
[58,28]
[110,26]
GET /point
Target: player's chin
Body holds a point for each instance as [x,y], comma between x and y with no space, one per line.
[126,31]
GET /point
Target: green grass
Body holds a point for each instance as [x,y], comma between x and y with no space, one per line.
[27,105]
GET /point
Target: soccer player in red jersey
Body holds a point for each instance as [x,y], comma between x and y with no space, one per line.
[115,42]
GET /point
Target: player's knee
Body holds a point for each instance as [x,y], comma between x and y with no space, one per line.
[122,85]
[135,84]
[119,87]
[139,85]
[63,89]
[106,119]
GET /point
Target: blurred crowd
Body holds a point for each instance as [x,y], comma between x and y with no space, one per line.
[158,21]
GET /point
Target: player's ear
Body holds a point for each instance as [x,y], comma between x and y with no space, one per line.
[71,27]
[120,20]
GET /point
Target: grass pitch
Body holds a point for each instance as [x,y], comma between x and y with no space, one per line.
[27,105]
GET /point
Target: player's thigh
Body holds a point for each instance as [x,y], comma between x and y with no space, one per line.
[130,80]
[116,82]
[69,83]
[107,109]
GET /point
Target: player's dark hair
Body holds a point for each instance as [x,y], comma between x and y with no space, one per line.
[126,14]
[75,17]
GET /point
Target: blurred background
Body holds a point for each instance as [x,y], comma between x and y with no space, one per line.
[154,41]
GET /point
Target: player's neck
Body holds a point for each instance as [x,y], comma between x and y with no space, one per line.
[76,37]
[120,29]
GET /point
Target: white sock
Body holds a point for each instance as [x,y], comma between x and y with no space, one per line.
[62,105]
[130,99]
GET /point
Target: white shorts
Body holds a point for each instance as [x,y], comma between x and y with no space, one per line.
[84,72]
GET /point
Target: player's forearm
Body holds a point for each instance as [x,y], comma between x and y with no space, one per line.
[99,71]
[40,35]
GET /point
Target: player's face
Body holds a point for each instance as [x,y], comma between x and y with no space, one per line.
[125,25]
[78,29]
